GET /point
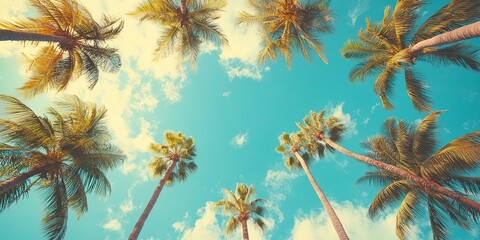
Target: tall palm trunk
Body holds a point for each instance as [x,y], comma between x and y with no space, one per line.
[465,32]
[326,204]
[15,181]
[183,6]
[244,229]
[141,221]
[9,35]
[424,183]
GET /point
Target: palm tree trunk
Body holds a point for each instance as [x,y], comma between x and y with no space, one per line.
[141,221]
[424,183]
[465,32]
[244,229]
[183,6]
[16,180]
[326,204]
[9,35]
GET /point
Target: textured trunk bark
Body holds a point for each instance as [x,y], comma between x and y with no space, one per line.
[244,229]
[326,204]
[9,35]
[14,181]
[424,183]
[183,6]
[141,221]
[465,32]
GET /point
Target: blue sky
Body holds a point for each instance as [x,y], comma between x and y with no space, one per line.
[235,110]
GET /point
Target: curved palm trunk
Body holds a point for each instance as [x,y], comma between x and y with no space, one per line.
[465,32]
[245,229]
[424,183]
[9,35]
[183,6]
[141,221]
[15,181]
[326,204]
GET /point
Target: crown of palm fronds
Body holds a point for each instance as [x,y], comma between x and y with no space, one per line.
[177,148]
[68,147]
[183,33]
[413,148]
[83,52]
[289,25]
[242,207]
[382,48]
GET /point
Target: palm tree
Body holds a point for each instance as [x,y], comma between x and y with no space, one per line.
[242,207]
[76,44]
[413,148]
[186,25]
[64,154]
[382,49]
[288,25]
[174,161]
[315,127]
[293,146]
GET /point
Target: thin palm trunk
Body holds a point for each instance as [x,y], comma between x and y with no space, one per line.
[183,6]
[19,179]
[462,33]
[9,35]
[326,204]
[245,229]
[427,185]
[141,221]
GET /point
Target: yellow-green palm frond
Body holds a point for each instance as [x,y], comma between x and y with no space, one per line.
[387,197]
[231,226]
[56,206]
[384,85]
[289,26]
[458,156]
[404,16]
[424,141]
[22,125]
[177,148]
[460,54]
[242,204]
[455,14]
[437,220]
[408,211]
[417,91]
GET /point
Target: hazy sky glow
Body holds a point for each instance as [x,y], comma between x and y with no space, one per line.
[235,110]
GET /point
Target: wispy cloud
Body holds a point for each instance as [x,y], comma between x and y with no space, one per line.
[113,225]
[372,108]
[365,121]
[345,118]
[360,8]
[239,58]
[240,140]
[355,221]
[227,94]
[278,184]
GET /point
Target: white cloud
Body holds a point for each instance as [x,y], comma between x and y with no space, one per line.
[227,94]
[355,220]
[471,125]
[342,164]
[127,206]
[240,140]
[113,225]
[127,167]
[240,57]
[351,124]
[278,184]
[360,8]
[180,226]
[372,108]
[206,227]
[365,121]
[278,179]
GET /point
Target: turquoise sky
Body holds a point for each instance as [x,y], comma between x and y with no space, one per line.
[235,110]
